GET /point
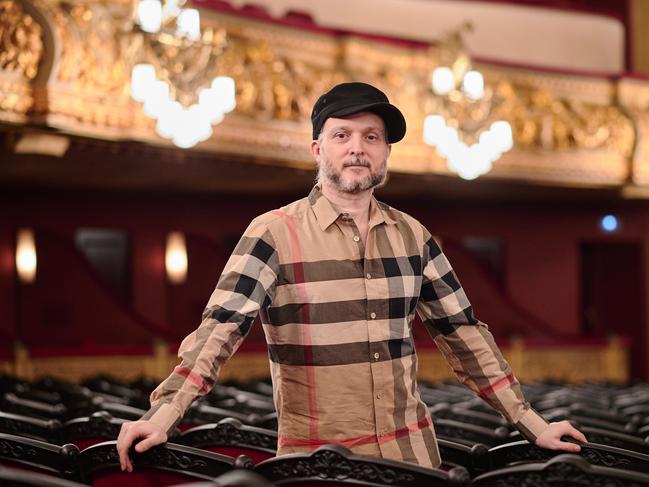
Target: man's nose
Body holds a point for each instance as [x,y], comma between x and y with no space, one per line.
[356,144]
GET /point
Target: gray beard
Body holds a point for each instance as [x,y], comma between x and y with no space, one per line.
[326,172]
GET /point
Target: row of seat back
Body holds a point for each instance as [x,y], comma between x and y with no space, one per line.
[171,464]
[562,470]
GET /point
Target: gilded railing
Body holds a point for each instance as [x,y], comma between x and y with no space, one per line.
[571,362]
[65,65]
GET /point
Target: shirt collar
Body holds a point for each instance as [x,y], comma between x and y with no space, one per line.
[326,213]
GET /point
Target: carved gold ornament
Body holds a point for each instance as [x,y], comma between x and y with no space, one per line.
[67,65]
[21,49]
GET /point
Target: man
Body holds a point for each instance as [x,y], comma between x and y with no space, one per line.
[337,278]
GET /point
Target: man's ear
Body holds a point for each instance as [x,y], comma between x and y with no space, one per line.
[315,150]
[389,149]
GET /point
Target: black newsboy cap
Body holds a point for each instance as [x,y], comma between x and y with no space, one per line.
[349,98]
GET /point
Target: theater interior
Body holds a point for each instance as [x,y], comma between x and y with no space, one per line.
[99,193]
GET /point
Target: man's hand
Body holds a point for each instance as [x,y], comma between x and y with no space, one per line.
[551,437]
[153,435]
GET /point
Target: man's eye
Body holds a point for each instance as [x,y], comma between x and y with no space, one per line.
[340,135]
[372,137]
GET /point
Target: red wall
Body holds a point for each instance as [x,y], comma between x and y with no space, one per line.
[541,254]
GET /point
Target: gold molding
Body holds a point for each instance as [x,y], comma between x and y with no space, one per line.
[569,130]
[573,364]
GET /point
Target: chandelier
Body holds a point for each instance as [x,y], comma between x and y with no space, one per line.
[175,76]
[462,126]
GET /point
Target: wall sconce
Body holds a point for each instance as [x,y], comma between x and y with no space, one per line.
[26,255]
[176,258]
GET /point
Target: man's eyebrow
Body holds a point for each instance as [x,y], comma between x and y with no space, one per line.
[367,129]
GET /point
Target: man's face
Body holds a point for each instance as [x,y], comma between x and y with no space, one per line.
[352,152]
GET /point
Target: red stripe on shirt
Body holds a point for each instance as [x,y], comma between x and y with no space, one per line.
[298,270]
[492,389]
[193,377]
[361,440]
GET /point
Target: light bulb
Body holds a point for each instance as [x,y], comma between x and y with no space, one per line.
[142,77]
[26,255]
[176,258]
[149,15]
[188,23]
[156,99]
[434,126]
[225,89]
[443,81]
[473,85]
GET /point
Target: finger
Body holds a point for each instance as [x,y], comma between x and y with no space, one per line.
[121,446]
[571,447]
[147,443]
[573,432]
[124,442]
[578,435]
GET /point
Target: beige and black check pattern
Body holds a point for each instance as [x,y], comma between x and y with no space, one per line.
[338,314]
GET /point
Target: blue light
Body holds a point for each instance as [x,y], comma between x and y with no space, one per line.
[609,223]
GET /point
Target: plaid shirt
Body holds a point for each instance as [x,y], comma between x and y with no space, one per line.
[337,315]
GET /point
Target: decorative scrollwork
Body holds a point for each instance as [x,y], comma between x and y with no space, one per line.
[560,474]
[170,459]
[104,456]
[331,465]
[12,450]
[543,120]
[525,453]
[92,428]
[21,44]
[227,434]
[606,459]
[279,73]
[272,85]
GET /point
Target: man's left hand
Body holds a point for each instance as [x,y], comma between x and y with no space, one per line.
[551,437]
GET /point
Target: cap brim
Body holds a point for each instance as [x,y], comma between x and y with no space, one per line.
[395,123]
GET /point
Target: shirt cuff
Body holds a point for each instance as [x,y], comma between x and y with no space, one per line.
[531,425]
[165,416]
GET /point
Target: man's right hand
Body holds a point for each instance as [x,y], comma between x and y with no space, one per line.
[151,433]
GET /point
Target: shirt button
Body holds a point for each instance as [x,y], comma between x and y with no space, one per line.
[368,275]
[356,238]
[376,355]
[372,315]
[378,396]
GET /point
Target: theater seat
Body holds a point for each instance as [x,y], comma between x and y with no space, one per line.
[90,430]
[48,430]
[520,452]
[168,464]
[231,438]
[473,458]
[38,456]
[561,470]
[336,466]
[11,477]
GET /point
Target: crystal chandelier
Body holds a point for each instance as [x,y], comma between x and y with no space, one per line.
[175,78]
[462,126]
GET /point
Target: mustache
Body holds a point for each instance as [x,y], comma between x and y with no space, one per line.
[357,162]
